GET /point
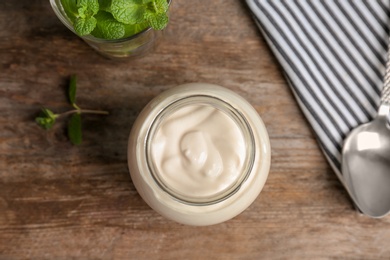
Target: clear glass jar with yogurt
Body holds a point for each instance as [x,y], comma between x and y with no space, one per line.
[199,154]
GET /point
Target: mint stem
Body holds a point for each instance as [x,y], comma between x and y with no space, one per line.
[84,111]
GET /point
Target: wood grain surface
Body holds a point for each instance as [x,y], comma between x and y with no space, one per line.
[59,201]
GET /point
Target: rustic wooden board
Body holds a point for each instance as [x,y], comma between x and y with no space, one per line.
[58,201]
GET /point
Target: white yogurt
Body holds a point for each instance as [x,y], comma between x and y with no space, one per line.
[198,151]
[199,154]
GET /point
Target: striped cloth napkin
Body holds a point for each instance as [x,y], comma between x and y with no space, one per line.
[333,53]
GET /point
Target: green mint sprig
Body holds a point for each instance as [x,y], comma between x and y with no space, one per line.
[48,118]
[115,19]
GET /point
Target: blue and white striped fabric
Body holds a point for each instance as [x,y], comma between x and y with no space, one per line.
[333,53]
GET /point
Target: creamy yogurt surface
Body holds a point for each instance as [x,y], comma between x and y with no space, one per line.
[198,151]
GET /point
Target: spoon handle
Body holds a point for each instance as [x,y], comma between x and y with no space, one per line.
[385,97]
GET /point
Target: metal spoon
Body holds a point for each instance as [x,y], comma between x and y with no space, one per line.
[366,159]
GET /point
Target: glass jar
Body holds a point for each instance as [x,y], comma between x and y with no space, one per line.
[199,154]
[133,46]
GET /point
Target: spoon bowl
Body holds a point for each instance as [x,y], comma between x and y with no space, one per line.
[366,165]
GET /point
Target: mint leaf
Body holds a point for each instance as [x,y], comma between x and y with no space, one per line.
[157,21]
[107,27]
[128,11]
[160,6]
[70,8]
[47,118]
[81,13]
[104,5]
[72,89]
[74,129]
[85,26]
[45,122]
[131,29]
[156,14]
[48,113]
[87,8]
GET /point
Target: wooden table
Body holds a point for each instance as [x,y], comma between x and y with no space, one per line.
[59,201]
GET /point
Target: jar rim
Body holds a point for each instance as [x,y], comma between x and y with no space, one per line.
[240,121]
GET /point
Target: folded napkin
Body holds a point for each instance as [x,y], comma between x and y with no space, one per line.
[333,53]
